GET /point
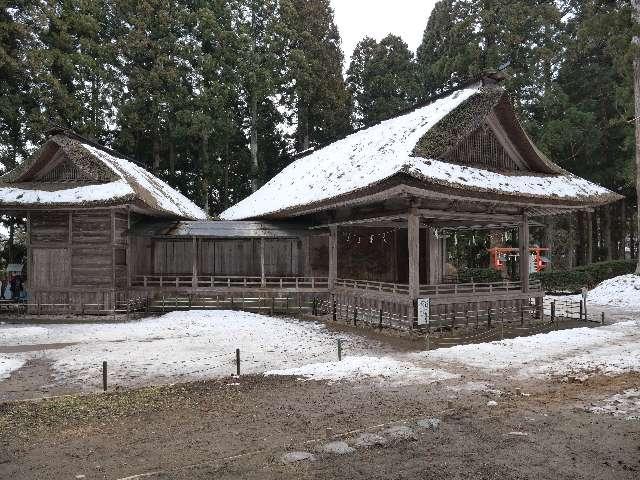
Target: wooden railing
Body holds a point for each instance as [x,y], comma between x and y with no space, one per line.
[236,282]
[322,283]
[440,289]
[373,286]
[476,288]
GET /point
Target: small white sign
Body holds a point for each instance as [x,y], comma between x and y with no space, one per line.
[424,306]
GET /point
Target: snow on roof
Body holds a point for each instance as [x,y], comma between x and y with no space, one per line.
[129,182]
[145,184]
[369,156]
[119,189]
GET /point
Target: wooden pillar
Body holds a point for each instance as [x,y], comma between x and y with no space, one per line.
[128,246]
[433,256]
[112,214]
[333,255]
[29,269]
[263,278]
[194,263]
[523,239]
[413,235]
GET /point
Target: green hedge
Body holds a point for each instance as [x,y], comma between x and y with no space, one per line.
[479,275]
[585,276]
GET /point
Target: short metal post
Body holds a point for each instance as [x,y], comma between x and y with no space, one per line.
[380,320]
[553,311]
[355,316]
[104,375]
[335,310]
[339,349]
[602,316]
[581,310]
[238,362]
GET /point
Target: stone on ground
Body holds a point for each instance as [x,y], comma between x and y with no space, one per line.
[400,432]
[293,457]
[337,448]
[430,423]
[369,440]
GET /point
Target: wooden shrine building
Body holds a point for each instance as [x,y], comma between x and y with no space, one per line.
[363,220]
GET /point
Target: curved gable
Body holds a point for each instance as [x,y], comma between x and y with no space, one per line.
[484,132]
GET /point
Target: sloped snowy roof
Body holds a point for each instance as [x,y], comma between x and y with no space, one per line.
[373,155]
[117,181]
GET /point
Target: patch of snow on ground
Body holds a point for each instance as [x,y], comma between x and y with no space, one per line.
[622,292]
[625,404]
[611,350]
[178,346]
[9,365]
[357,368]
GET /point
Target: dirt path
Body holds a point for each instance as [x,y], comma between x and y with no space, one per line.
[191,431]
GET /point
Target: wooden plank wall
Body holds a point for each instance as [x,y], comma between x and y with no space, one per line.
[221,257]
[77,257]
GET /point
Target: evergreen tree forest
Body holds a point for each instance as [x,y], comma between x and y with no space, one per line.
[217,96]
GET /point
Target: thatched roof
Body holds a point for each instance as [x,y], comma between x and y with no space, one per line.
[423,146]
[69,171]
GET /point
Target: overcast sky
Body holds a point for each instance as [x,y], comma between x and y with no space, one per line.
[377,18]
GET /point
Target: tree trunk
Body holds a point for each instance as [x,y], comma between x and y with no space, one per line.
[621,231]
[635,13]
[589,253]
[204,160]
[156,154]
[172,158]
[254,143]
[303,128]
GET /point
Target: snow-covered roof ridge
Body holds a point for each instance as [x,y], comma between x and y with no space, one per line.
[103,178]
[373,155]
[148,187]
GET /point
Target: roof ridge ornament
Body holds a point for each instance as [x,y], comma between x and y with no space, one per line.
[495,76]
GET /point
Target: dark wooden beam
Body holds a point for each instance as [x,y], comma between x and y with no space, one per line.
[468,216]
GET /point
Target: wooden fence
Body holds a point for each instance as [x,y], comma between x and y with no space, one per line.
[229,282]
[439,289]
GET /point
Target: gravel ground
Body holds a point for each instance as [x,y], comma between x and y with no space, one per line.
[243,429]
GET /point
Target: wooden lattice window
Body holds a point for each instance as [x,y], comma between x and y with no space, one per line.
[64,172]
[482,148]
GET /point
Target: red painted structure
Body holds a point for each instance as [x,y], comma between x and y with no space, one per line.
[499,257]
